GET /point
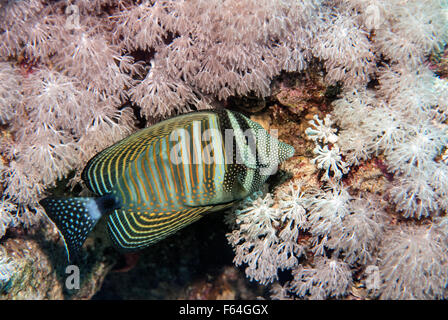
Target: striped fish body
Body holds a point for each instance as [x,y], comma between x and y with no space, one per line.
[166,176]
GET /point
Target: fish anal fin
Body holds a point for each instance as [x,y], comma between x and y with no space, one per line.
[132,231]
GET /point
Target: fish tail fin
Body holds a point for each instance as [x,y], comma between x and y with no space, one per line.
[76,217]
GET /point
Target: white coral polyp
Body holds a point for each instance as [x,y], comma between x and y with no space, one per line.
[330,160]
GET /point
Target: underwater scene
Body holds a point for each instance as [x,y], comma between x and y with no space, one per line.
[224,150]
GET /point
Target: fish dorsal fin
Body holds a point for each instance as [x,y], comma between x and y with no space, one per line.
[104,170]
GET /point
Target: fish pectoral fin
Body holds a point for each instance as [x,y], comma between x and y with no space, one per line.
[74,218]
[222,206]
[214,207]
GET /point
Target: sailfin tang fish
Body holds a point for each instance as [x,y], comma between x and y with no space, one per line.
[164,177]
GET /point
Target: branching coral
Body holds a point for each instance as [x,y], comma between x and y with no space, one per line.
[328,156]
[362,230]
[349,56]
[327,210]
[350,229]
[411,31]
[264,239]
[10,95]
[222,48]
[407,128]
[414,263]
[346,225]
[328,278]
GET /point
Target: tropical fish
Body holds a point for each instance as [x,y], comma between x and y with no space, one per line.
[164,177]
